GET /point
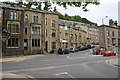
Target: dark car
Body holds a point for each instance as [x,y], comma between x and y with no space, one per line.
[52,51]
[83,48]
[63,51]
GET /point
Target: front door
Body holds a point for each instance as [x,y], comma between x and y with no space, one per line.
[46,46]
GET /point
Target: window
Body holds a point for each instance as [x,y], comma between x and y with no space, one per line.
[13,42]
[71,36]
[35,19]
[25,30]
[13,28]
[45,32]
[13,15]
[66,35]
[66,46]
[53,45]
[36,30]
[113,33]
[45,21]
[26,17]
[53,23]
[108,32]
[35,42]
[53,33]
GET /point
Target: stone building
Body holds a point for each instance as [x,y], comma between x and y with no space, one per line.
[28,28]
[108,35]
[70,35]
[51,28]
[93,34]
[13,20]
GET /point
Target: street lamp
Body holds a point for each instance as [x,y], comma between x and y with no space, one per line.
[103,19]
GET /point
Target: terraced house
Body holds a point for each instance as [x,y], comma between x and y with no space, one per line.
[109,35]
[28,30]
[51,31]
[39,31]
[13,19]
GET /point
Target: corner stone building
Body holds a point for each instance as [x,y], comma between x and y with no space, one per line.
[108,36]
[28,30]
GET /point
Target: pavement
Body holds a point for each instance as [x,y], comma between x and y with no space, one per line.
[114,62]
[17,59]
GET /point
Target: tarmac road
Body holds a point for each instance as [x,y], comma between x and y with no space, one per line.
[74,65]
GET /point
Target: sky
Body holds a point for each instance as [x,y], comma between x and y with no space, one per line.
[96,12]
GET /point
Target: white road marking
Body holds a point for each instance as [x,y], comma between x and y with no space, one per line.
[64,73]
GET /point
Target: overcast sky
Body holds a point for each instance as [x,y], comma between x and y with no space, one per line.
[96,13]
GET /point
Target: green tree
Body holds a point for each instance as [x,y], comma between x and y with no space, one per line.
[47,5]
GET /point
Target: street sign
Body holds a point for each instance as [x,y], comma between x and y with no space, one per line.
[5,34]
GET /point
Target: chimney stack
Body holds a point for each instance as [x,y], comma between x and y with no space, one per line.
[115,23]
[111,22]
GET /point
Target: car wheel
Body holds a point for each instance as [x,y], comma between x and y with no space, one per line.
[114,54]
[104,55]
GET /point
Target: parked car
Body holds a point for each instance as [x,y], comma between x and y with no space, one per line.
[63,51]
[52,51]
[73,50]
[109,53]
[83,48]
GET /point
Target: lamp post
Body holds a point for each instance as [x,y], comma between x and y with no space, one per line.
[104,32]
[103,19]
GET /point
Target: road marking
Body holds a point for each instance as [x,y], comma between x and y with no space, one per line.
[65,73]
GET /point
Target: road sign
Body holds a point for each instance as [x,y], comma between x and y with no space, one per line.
[5,34]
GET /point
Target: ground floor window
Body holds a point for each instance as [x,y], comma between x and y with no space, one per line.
[13,42]
[53,45]
[35,42]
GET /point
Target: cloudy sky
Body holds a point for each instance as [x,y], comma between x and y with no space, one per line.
[96,13]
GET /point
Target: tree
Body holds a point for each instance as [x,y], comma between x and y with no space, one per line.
[47,5]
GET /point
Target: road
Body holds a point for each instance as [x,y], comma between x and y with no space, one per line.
[74,65]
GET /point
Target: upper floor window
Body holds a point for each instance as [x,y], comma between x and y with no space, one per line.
[53,33]
[13,28]
[66,35]
[45,32]
[113,33]
[53,23]
[46,21]
[13,15]
[26,17]
[108,32]
[25,30]
[71,36]
[36,19]
[36,30]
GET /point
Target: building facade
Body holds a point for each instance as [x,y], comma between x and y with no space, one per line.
[34,31]
[108,36]
[51,32]
[28,28]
